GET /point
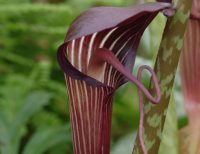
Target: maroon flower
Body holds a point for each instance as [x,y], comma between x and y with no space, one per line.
[97,57]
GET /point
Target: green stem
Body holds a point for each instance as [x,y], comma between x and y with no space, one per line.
[165,68]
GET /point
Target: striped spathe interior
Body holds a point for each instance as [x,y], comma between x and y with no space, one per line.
[122,41]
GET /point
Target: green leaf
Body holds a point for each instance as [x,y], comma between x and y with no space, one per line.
[33,14]
[124,145]
[47,138]
[33,103]
[4,133]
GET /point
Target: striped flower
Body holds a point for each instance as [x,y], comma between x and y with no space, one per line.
[97,57]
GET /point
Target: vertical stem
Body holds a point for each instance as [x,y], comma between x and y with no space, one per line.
[165,68]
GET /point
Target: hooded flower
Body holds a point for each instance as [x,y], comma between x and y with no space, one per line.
[97,57]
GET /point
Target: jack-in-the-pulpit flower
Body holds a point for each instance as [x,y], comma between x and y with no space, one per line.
[97,57]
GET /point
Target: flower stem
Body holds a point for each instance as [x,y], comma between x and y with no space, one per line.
[165,68]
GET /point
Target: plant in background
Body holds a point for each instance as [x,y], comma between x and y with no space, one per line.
[190,74]
[25,126]
[32,117]
[97,57]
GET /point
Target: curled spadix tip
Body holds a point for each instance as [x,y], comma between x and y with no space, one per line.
[169,12]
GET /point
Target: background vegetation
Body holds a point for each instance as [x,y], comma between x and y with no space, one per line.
[34,117]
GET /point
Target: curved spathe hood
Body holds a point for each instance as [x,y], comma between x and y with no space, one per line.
[118,29]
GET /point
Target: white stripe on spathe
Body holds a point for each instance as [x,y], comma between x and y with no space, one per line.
[91,100]
[106,38]
[72,52]
[95,111]
[117,53]
[75,115]
[72,116]
[113,44]
[81,114]
[101,46]
[88,117]
[80,54]
[90,47]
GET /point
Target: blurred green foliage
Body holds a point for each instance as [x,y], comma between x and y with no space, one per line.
[34,117]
